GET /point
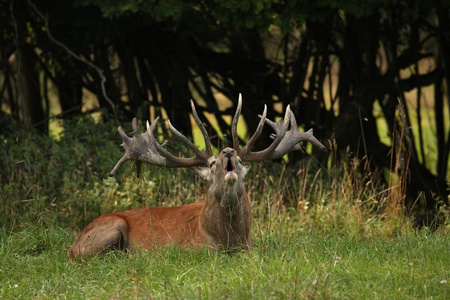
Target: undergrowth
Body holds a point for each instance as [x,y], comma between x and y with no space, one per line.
[66,181]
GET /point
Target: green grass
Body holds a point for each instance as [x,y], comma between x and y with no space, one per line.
[284,264]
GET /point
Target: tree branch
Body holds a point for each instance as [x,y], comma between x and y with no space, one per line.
[82,59]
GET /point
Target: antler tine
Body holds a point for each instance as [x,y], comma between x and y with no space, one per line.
[134,125]
[138,148]
[173,161]
[143,147]
[186,141]
[268,153]
[234,123]
[293,120]
[277,128]
[292,138]
[305,136]
[121,161]
[203,129]
[242,152]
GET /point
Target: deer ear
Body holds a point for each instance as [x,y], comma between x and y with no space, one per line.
[245,170]
[205,173]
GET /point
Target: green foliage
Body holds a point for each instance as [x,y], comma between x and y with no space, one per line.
[259,14]
[157,10]
[45,178]
[130,195]
[239,14]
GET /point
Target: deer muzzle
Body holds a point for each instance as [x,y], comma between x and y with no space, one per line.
[230,174]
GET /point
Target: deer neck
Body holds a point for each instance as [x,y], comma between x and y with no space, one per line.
[226,216]
[227,196]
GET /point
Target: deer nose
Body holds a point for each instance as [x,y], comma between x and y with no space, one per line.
[228,153]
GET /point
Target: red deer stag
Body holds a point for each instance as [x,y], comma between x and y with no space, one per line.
[223,221]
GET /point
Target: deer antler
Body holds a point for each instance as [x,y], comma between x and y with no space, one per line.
[138,148]
[284,141]
[245,152]
[143,147]
[173,161]
[292,138]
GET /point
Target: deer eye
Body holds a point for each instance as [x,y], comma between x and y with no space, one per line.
[212,164]
[240,161]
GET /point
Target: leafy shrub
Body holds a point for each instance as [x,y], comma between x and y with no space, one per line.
[42,176]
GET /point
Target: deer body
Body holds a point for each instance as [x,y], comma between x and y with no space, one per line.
[223,221]
[141,229]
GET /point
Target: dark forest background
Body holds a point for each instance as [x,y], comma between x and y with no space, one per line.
[370,77]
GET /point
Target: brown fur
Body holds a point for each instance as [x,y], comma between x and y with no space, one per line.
[223,221]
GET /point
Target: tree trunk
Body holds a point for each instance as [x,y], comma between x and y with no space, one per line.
[30,91]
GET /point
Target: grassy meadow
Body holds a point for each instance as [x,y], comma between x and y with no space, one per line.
[318,232]
[286,263]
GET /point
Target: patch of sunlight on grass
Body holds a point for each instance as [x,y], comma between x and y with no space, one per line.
[383,130]
[428,125]
[278,107]
[5,108]
[90,102]
[56,128]
[198,137]
[223,102]
[213,121]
